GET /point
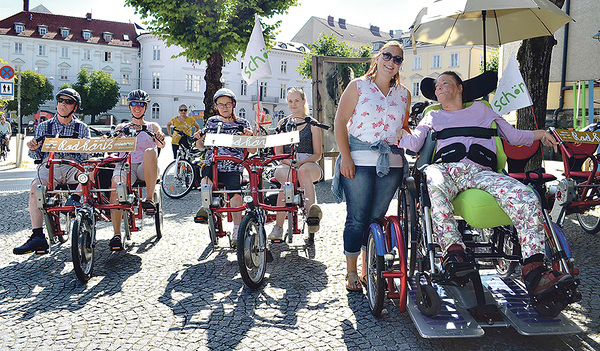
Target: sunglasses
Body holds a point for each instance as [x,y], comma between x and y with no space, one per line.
[183,109]
[66,101]
[137,103]
[397,59]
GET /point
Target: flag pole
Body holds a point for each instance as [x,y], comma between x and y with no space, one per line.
[258,111]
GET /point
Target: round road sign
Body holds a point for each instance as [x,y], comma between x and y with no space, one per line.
[7,72]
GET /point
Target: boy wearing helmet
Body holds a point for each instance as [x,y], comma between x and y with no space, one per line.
[63,124]
[144,160]
[230,173]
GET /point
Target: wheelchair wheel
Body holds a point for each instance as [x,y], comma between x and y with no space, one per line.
[375,281]
[504,267]
[82,246]
[251,255]
[428,301]
[178,179]
[51,221]
[411,229]
[589,222]
[158,216]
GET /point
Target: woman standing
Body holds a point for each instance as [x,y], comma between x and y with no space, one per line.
[309,150]
[182,123]
[372,110]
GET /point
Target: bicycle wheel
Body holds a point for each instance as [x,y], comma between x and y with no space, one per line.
[158,216]
[178,179]
[82,246]
[375,281]
[589,222]
[251,255]
[412,234]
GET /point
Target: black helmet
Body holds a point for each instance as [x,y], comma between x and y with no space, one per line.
[224,92]
[72,93]
[138,95]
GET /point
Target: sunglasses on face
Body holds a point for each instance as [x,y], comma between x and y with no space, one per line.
[66,101]
[137,103]
[397,59]
[227,105]
[183,110]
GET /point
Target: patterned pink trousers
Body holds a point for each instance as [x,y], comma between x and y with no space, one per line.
[446,180]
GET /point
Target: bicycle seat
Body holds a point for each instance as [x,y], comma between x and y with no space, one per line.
[517,158]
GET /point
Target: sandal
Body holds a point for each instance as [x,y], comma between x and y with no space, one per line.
[353,282]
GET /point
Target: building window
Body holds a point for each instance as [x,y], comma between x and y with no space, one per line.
[188,82]
[436,61]
[40,70]
[244,88]
[196,87]
[86,34]
[126,58]
[126,77]
[454,59]
[417,62]
[64,32]
[126,37]
[155,80]
[155,111]
[416,89]
[19,27]
[156,53]
[189,60]
[87,54]
[280,115]
[107,56]
[64,73]
[282,91]
[242,113]
[42,30]
[107,36]
[41,50]
[263,90]
[377,46]
[124,100]
[18,48]
[64,52]
[283,67]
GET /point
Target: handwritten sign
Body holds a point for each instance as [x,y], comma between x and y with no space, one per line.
[574,136]
[89,145]
[252,142]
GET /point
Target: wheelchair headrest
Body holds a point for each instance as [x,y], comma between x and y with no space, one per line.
[473,88]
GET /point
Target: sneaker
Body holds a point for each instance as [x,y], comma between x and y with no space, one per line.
[539,279]
[36,244]
[72,202]
[314,218]
[116,243]
[276,233]
[201,216]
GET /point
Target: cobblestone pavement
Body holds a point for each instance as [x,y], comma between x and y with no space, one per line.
[180,293]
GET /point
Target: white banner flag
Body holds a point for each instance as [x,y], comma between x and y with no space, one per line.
[256,59]
[511,93]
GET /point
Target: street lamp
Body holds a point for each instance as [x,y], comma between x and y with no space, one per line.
[597,36]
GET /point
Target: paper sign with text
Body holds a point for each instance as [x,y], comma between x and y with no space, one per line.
[252,142]
[574,136]
[89,145]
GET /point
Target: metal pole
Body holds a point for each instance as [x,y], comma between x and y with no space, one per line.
[20,135]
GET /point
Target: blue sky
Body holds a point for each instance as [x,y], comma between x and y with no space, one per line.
[395,14]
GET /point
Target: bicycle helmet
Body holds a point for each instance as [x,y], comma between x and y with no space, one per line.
[224,92]
[72,93]
[138,95]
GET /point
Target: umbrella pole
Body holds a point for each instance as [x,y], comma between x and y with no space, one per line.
[483,13]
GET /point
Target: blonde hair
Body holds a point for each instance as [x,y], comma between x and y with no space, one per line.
[372,72]
[302,95]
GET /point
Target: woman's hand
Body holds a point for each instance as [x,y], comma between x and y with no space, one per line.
[347,168]
[546,138]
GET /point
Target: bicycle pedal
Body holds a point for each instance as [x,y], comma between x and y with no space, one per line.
[276,241]
[150,212]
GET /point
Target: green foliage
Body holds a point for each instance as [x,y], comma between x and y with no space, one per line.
[35,90]
[99,92]
[329,45]
[209,30]
[492,62]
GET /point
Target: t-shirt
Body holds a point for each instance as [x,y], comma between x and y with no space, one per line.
[4,128]
[185,126]
[234,128]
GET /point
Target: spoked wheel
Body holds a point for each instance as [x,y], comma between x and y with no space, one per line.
[251,255]
[212,228]
[66,228]
[375,281]
[412,234]
[178,179]
[158,216]
[504,267]
[549,310]
[51,221]
[82,246]
[428,301]
[589,221]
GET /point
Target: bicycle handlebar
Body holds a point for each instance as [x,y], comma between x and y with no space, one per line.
[291,125]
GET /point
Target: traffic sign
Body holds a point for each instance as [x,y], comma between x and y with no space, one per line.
[7,72]
[6,90]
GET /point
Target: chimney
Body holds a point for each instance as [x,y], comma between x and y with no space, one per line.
[375,30]
[392,33]
[330,20]
[342,23]
[88,16]
[26,5]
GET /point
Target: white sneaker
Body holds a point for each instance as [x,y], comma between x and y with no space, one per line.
[314,218]
[276,233]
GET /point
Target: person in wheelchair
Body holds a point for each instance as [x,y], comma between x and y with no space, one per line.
[464,162]
[229,172]
[144,160]
[63,124]
[309,152]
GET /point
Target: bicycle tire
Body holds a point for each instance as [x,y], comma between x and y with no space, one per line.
[375,282]
[251,257]
[179,185]
[412,232]
[82,247]
[590,223]
[158,216]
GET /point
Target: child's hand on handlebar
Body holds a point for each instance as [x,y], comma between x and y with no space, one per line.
[247,132]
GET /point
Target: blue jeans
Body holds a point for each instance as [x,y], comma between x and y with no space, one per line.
[367,199]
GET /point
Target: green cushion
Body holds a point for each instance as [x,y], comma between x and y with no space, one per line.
[480,209]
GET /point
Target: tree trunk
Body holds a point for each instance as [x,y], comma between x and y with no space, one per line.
[212,78]
[534,60]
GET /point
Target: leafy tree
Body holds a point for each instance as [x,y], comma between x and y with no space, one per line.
[99,92]
[491,62]
[214,31]
[534,61]
[35,90]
